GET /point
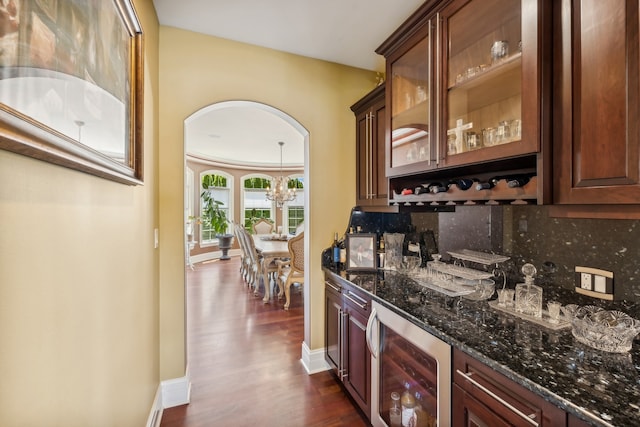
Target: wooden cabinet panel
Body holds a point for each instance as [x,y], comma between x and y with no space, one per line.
[333,327]
[371,180]
[489,394]
[468,412]
[358,358]
[346,313]
[596,88]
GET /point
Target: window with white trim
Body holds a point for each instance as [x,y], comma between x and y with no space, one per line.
[294,212]
[220,186]
[254,200]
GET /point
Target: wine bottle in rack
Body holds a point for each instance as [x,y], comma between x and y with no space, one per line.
[438,187]
[518,181]
[464,183]
[489,184]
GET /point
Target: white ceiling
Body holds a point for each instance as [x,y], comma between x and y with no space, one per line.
[342,31]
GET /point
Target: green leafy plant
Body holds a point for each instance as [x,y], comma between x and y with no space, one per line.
[212,216]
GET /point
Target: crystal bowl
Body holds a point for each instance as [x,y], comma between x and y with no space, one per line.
[607,330]
[483,289]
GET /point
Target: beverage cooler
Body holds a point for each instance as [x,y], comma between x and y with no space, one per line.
[411,373]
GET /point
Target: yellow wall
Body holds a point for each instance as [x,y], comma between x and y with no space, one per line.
[197,71]
[79,297]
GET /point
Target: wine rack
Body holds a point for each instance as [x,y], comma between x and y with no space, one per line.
[501,193]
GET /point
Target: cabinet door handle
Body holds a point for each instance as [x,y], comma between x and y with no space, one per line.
[430,89]
[367,150]
[437,76]
[343,371]
[529,418]
[373,317]
[370,158]
[332,286]
[348,296]
[363,302]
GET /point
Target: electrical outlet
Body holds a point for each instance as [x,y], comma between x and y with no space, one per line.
[594,282]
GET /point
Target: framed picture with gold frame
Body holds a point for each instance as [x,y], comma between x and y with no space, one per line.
[71,85]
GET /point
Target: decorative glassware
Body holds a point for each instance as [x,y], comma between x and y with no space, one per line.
[528,295]
[554,311]
[607,330]
[499,50]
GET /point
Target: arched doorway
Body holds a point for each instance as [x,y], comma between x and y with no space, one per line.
[243,136]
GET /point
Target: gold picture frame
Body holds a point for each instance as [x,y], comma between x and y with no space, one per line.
[71,85]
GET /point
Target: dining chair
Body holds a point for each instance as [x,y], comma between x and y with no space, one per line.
[252,259]
[263,226]
[245,260]
[291,271]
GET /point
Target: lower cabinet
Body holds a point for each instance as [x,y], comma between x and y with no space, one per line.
[483,397]
[346,313]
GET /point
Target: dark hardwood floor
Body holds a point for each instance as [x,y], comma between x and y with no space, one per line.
[244,360]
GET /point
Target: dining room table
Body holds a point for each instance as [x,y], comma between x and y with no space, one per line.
[271,247]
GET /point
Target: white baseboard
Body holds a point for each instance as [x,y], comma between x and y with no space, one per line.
[155,416]
[176,392]
[208,256]
[313,361]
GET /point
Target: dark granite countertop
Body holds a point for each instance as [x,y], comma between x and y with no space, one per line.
[598,387]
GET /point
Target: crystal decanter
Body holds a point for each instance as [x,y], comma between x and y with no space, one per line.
[528,295]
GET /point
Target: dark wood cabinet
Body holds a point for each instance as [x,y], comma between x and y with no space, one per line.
[371,180]
[347,310]
[597,142]
[596,102]
[456,109]
[483,397]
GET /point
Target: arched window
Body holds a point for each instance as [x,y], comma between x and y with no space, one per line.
[254,199]
[219,185]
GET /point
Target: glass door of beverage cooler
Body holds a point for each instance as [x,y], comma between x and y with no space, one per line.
[411,373]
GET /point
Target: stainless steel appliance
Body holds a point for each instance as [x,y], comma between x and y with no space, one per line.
[407,360]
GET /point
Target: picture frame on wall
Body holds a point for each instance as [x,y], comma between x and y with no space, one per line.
[71,85]
[361,251]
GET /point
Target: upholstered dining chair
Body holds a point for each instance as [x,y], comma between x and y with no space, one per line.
[292,271]
[263,226]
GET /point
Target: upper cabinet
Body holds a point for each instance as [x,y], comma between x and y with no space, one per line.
[371,181]
[596,105]
[410,98]
[492,83]
[467,83]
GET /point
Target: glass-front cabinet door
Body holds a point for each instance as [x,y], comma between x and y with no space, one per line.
[491,81]
[410,93]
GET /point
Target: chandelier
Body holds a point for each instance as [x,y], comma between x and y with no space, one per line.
[279,191]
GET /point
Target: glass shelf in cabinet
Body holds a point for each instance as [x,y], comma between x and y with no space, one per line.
[484,75]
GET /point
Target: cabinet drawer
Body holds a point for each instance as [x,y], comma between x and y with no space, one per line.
[507,399]
[356,300]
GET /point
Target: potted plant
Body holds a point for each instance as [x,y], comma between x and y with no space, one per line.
[215,218]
